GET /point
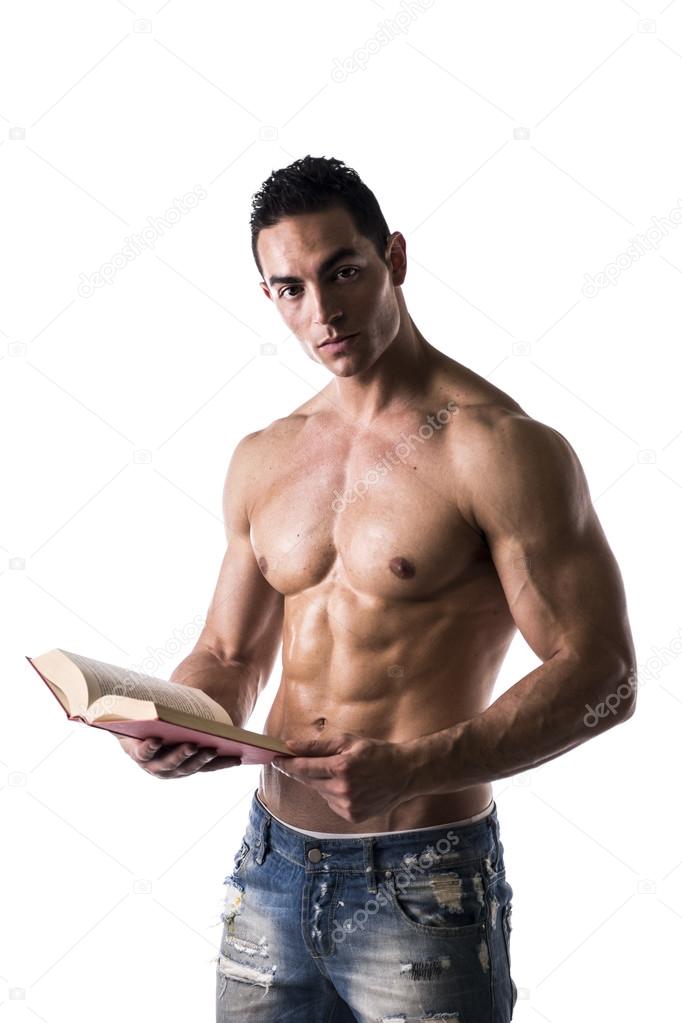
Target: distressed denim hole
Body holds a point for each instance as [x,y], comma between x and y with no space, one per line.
[444,901]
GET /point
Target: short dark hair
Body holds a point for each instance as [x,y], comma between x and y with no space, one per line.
[310,185]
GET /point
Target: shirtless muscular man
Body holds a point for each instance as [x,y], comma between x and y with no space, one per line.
[392,533]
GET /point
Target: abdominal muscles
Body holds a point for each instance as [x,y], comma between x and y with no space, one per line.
[388,669]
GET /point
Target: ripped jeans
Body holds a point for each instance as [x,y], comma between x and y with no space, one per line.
[387,929]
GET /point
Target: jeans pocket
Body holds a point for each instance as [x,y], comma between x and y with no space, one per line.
[441,901]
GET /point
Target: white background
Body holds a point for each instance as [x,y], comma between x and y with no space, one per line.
[518,147]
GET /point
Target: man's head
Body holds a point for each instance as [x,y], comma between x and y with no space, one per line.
[328,261]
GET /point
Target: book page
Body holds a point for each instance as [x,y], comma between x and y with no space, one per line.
[111,680]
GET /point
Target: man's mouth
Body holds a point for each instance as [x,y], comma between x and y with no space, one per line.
[338,342]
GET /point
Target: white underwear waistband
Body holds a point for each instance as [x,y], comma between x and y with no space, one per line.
[373,834]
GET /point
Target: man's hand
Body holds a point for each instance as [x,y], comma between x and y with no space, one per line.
[173,761]
[357,776]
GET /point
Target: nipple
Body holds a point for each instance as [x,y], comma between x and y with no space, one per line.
[401,567]
[263,565]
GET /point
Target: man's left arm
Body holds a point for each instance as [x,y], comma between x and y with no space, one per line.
[527,492]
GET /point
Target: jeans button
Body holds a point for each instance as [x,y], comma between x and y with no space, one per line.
[314,855]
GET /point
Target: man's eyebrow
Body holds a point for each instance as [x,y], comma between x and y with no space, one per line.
[344,252]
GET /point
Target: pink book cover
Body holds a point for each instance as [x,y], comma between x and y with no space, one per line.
[173,734]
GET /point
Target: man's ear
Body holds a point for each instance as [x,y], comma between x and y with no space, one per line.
[264,288]
[396,257]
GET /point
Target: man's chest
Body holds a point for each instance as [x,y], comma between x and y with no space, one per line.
[379,517]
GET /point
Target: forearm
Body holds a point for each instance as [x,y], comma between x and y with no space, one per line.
[537,719]
[232,684]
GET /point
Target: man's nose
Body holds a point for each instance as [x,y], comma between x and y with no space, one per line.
[326,308]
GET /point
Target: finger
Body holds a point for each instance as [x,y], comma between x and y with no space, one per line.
[217,763]
[306,768]
[170,761]
[145,749]
[195,763]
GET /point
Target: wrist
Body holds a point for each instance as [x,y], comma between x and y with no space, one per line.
[432,763]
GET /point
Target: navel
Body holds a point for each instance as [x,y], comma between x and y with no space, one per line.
[321,722]
[401,567]
[263,565]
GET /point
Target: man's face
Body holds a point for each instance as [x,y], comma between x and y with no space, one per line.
[329,294]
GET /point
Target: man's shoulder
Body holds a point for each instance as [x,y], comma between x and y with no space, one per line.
[508,463]
[279,431]
[257,458]
[479,407]
[486,415]
[495,440]
[261,446]
[506,441]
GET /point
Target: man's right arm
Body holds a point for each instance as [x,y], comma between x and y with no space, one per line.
[235,652]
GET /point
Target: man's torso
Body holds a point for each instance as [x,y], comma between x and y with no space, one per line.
[395,622]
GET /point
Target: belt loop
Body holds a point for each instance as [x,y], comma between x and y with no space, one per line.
[263,838]
[368,847]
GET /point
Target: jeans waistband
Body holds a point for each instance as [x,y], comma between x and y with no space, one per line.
[449,846]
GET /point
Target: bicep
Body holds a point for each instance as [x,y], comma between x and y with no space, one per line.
[560,577]
[244,619]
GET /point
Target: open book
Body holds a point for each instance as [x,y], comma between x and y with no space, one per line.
[130,703]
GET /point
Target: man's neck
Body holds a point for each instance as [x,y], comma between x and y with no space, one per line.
[397,379]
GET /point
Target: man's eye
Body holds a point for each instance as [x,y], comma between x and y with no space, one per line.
[343,269]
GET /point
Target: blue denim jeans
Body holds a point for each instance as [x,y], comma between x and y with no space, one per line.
[385,929]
